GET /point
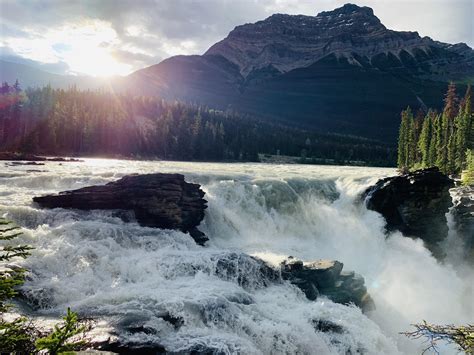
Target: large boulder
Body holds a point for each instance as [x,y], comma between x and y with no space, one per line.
[325,277]
[415,204]
[463,213]
[158,200]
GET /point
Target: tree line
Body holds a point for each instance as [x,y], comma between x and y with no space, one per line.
[444,140]
[73,122]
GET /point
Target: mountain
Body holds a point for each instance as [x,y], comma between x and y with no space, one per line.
[341,71]
[29,76]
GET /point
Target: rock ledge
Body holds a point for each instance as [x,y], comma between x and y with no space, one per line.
[158,200]
[415,204]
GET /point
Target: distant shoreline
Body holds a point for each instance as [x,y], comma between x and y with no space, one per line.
[263,159]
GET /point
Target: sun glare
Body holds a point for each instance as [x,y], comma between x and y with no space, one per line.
[96,62]
[87,47]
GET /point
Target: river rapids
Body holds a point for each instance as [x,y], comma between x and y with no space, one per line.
[128,277]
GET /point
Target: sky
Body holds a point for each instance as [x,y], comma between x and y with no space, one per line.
[117,37]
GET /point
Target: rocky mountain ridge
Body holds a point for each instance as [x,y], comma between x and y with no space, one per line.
[341,71]
[287,42]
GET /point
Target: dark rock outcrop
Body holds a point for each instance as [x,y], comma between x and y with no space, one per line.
[415,204]
[31,158]
[16,163]
[116,347]
[325,277]
[158,200]
[463,213]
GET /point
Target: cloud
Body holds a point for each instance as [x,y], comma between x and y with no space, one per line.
[59,67]
[141,33]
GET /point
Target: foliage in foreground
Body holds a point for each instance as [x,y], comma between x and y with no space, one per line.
[20,335]
[461,336]
[60,340]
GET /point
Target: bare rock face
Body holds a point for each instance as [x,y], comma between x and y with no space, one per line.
[158,200]
[325,277]
[287,42]
[463,212]
[415,204]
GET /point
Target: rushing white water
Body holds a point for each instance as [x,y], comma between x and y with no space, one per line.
[130,276]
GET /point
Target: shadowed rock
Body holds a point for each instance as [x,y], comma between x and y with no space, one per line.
[415,204]
[325,277]
[158,200]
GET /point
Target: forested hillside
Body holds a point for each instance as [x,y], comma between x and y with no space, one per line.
[342,70]
[95,123]
[445,140]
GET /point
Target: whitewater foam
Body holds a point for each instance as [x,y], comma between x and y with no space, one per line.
[130,276]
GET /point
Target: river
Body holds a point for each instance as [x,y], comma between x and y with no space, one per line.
[128,276]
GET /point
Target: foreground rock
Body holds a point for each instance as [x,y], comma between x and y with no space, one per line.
[415,204]
[325,277]
[463,213]
[158,200]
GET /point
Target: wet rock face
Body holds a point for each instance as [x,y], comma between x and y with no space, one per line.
[325,277]
[158,200]
[463,213]
[415,204]
[247,271]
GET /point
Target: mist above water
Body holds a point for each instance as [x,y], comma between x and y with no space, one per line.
[129,276]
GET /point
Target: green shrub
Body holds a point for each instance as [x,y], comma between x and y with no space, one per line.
[61,339]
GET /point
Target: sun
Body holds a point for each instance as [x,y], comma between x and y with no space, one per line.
[91,46]
[95,62]
[87,46]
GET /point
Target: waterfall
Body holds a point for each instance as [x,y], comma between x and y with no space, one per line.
[157,287]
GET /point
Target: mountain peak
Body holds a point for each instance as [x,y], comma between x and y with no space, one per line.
[348,9]
[351,33]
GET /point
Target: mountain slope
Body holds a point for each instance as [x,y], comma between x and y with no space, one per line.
[341,71]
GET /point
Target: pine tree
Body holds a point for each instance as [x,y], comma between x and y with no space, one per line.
[450,101]
[462,126]
[403,141]
[435,136]
[451,151]
[445,149]
[442,144]
[424,142]
[412,139]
